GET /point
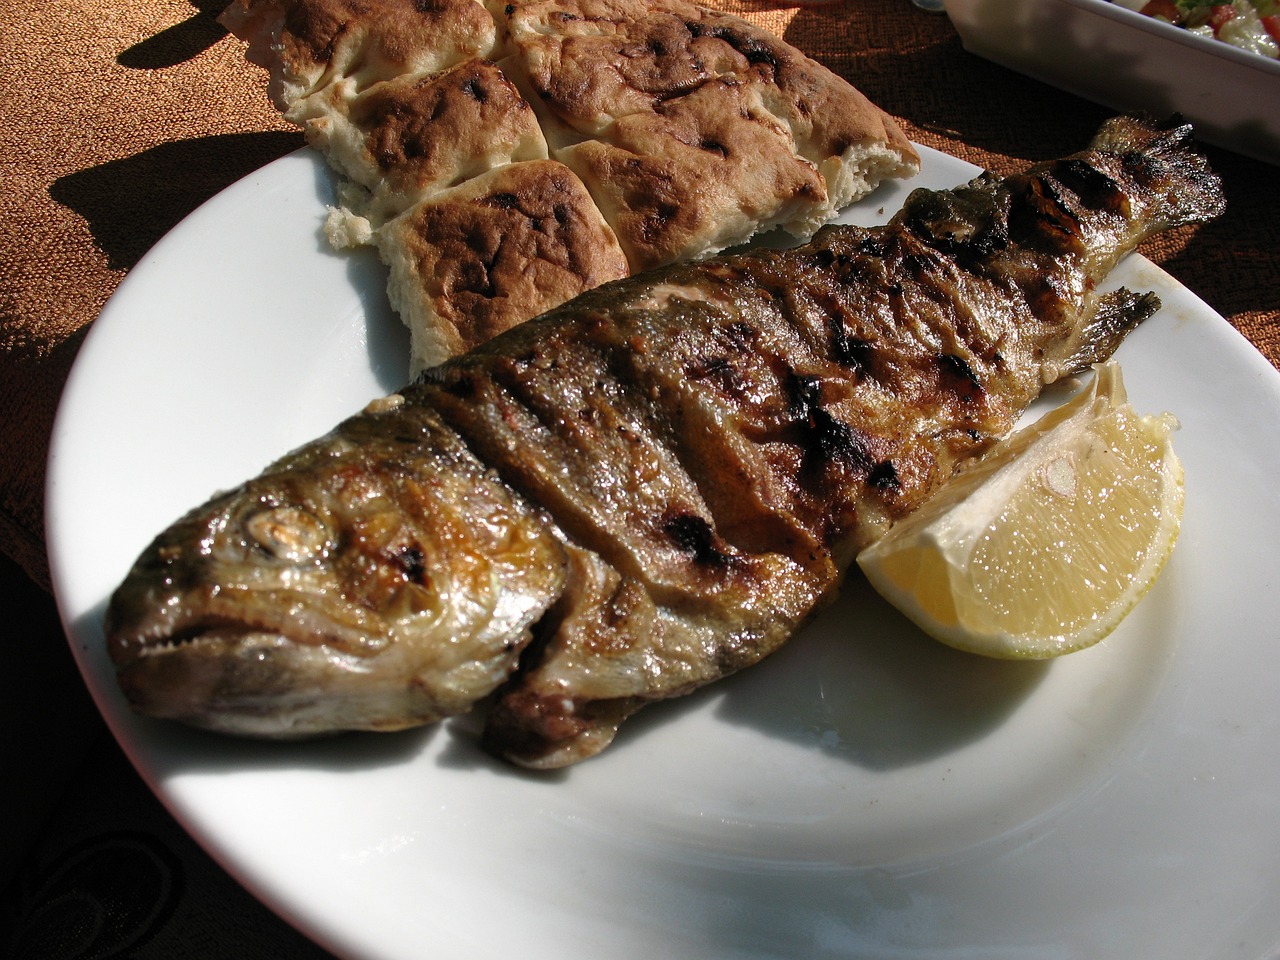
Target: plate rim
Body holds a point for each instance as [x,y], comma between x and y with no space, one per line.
[339,940]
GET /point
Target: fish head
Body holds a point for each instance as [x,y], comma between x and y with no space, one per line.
[345,588]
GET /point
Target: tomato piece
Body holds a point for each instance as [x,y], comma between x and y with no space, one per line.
[1162,8]
[1271,24]
[1219,14]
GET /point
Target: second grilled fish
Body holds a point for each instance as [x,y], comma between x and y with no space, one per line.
[650,487]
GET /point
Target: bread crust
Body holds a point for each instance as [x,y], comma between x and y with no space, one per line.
[617,77]
[414,135]
[305,44]
[675,131]
[696,175]
[473,261]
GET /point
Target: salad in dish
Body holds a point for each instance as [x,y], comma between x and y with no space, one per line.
[1252,25]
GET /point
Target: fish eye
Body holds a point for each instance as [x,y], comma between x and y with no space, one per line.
[287,532]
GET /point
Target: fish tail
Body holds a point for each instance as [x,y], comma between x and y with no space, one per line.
[1164,159]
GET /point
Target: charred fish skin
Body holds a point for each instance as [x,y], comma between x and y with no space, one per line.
[648,488]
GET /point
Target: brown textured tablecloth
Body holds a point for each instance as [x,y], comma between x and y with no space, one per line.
[118,118]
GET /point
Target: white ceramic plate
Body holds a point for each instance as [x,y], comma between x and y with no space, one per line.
[1127,61]
[865,793]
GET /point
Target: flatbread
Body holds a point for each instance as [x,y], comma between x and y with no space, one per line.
[661,131]
[412,136]
[470,262]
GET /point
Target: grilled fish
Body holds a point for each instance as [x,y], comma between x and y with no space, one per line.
[650,487]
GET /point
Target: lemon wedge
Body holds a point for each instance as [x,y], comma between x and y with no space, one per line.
[1043,546]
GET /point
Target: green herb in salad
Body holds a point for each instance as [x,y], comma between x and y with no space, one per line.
[1249,24]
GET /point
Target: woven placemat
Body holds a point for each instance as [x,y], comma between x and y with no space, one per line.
[121,116]
[118,118]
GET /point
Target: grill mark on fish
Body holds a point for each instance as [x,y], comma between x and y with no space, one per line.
[754,362]
[614,503]
[884,476]
[825,440]
[694,535]
[1095,187]
[835,442]
[1049,217]
[854,352]
[412,561]
[960,377]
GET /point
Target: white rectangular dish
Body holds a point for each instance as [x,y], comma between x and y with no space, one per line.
[1127,61]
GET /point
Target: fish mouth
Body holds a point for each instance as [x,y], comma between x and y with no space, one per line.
[258,684]
[159,618]
[256,679]
[215,674]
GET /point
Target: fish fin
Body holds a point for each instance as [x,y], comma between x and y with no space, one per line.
[609,648]
[1115,314]
[579,681]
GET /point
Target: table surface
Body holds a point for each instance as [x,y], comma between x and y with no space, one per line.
[119,118]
